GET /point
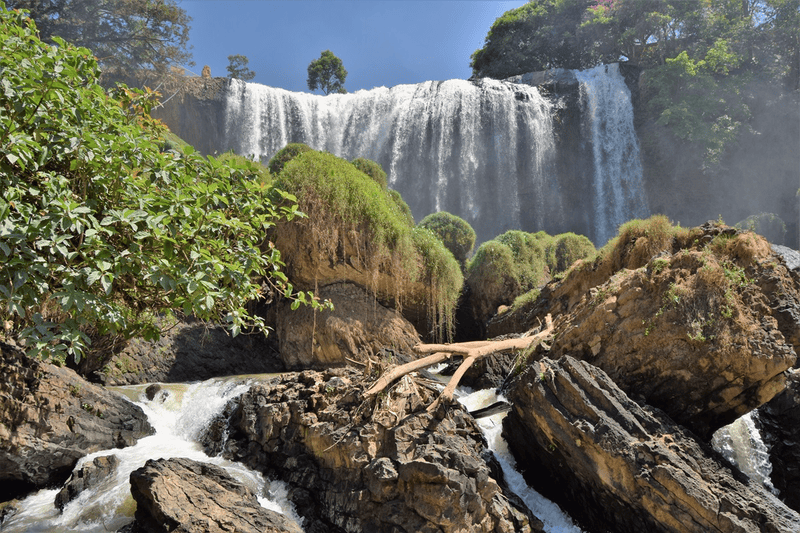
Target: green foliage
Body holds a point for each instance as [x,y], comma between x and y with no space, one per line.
[327,73]
[101,230]
[335,194]
[493,268]
[132,39]
[286,154]
[237,68]
[529,257]
[402,206]
[372,169]
[566,248]
[455,232]
[769,225]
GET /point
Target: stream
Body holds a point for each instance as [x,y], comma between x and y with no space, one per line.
[179,413]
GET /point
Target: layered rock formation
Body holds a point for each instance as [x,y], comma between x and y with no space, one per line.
[615,465]
[185,496]
[85,478]
[702,325]
[358,328]
[370,466]
[50,417]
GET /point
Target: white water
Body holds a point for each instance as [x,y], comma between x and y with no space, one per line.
[741,443]
[185,411]
[483,150]
[618,183]
[554,519]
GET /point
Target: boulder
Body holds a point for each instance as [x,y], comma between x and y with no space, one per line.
[86,477]
[488,372]
[703,329]
[780,426]
[184,496]
[365,466]
[189,350]
[50,417]
[615,465]
[357,328]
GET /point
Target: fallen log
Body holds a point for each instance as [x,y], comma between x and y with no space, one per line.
[472,351]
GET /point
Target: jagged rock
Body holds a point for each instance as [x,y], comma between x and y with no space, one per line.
[50,417]
[86,477]
[780,426]
[615,465]
[358,327]
[363,466]
[189,350]
[185,496]
[704,335]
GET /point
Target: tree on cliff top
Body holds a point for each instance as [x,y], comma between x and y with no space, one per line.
[101,230]
[327,73]
[237,68]
[132,39]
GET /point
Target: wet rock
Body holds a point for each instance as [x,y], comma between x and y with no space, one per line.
[357,329]
[615,465]
[50,417]
[86,477]
[780,426]
[384,465]
[184,496]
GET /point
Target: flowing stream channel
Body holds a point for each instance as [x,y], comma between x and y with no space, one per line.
[179,413]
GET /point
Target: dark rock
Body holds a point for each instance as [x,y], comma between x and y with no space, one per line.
[488,372]
[151,391]
[615,465]
[190,350]
[50,417]
[185,496]
[357,329]
[383,465]
[780,426]
[790,257]
[86,477]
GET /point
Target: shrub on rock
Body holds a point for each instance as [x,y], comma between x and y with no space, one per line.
[286,154]
[371,169]
[455,232]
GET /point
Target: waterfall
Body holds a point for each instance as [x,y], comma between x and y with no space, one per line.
[618,184]
[483,150]
[178,414]
[740,442]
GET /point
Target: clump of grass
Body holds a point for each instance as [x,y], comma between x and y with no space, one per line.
[286,154]
[371,169]
[455,232]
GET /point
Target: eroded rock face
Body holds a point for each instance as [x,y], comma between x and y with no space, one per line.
[184,496]
[780,426]
[616,465]
[358,327]
[702,335]
[366,467]
[190,350]
[50,417]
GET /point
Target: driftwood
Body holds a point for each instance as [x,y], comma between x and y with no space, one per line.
[471,351]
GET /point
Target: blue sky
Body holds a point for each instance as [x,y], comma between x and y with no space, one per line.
[381,43]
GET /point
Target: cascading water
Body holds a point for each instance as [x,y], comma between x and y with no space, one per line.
[741,443]
[554,519]
[482,150]
[618,184]
[178,417]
